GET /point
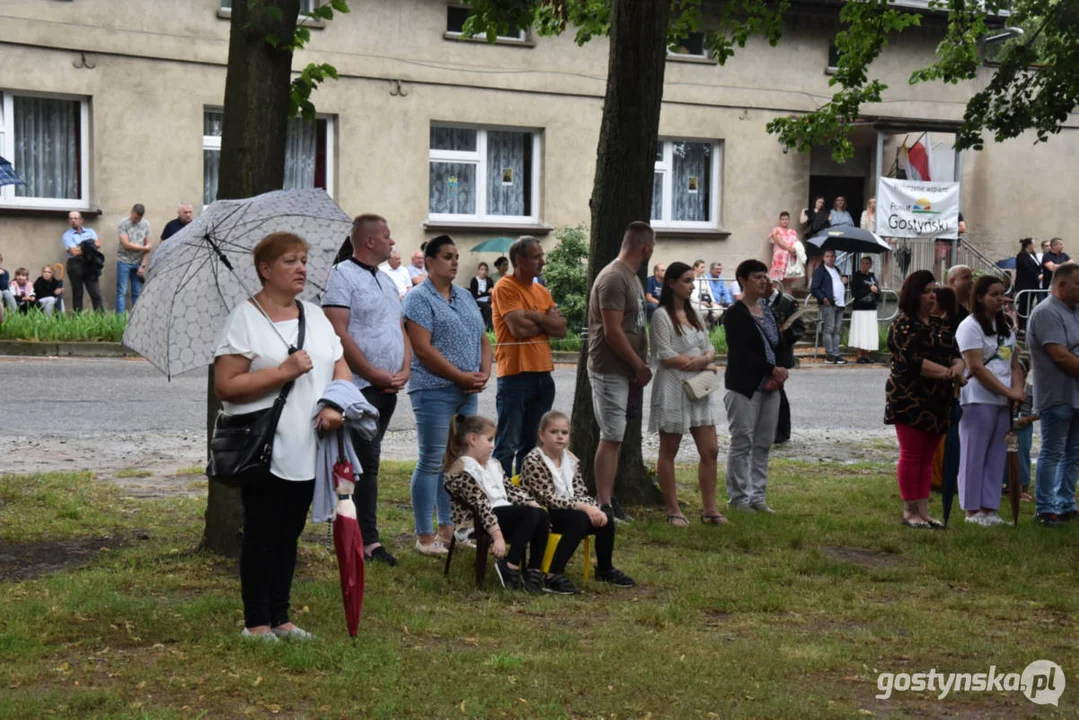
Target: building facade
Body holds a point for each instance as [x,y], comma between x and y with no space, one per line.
[107,103]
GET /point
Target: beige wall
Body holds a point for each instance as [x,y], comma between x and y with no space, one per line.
[159,63]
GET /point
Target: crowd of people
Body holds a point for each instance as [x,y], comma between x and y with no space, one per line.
[512,476]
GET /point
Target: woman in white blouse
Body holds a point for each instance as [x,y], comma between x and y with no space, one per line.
[252,363]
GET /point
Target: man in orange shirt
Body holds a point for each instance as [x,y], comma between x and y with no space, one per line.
[525,318]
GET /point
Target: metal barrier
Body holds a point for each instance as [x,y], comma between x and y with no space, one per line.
[1022,295]
[818,324]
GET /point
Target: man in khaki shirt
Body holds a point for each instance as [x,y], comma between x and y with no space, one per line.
[618,354]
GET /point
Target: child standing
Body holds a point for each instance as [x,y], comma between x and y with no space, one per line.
[23,290]
[552,474]
[477,484]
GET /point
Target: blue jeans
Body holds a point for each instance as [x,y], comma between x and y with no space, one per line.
[433,410]
[1058,461]
[522,401]
[126,272]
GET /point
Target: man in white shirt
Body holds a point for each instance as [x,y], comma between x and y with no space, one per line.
[830,290]
[400,275]
[417,270]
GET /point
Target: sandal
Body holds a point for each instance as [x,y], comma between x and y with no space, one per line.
[916,524]
[717,519]
[935,524]
[679,521]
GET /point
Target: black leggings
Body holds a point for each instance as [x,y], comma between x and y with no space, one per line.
[573,526]
[275,512]
[524,525]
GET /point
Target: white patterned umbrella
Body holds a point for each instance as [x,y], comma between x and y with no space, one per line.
[199,274]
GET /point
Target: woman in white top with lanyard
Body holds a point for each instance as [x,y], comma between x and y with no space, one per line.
[251,365]
[987,341]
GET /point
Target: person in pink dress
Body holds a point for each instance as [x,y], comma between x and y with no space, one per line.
[783,239]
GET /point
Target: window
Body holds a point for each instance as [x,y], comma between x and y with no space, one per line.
[685,187]
[455,25]
[306,6]
[308,154]
[484,175]
[690,46]
[833,58]
[46,138]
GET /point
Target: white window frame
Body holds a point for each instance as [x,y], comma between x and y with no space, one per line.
[8,199]
[520,37]
[213,142]
[478,157]
[705,53]
[666,167]
[311,3]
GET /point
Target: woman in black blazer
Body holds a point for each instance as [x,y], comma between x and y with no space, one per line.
[1027,277]
[753,380]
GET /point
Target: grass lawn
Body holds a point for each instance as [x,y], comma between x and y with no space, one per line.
[785,616]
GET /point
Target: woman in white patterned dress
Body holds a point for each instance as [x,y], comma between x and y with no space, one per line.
[681,349]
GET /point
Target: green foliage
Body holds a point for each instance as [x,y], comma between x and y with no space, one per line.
[1035,87]
[79,327]
[302,86]
[866,26]
[566,275]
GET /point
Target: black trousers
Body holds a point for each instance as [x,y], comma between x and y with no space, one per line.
[79,276]
[369,453]
[485,312]
[783,427]
[524,525]
[573,526]
[275,512]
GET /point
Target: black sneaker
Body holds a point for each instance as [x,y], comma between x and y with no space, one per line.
[1048,520]
[559,584]
[615,577]
[533,580]
[510,578]
[620,514]
[1068,516]
[382,555]
[839,361]
[829,360]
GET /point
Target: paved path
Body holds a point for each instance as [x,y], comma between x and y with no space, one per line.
[115,413]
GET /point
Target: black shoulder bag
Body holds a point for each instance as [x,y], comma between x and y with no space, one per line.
[242,445]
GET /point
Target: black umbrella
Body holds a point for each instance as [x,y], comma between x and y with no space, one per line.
[847,238]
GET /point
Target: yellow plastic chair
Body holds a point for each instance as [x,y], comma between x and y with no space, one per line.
[552,544]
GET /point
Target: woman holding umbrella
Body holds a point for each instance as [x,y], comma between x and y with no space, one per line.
[925,368]
[451,363]
[987,341]
[251,365]
[864,335]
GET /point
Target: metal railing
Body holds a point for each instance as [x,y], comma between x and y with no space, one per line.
[911,254]
[886,296]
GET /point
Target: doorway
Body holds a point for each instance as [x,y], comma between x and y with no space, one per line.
[832,186]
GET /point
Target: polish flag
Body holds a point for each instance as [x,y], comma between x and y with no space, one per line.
[915,161]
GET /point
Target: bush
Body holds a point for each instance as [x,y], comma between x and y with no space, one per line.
[566,275]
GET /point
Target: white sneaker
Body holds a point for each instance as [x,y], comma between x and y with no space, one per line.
[991,519]
[762,508]
[269,637]
[294,634]
[435,548]
[978,520]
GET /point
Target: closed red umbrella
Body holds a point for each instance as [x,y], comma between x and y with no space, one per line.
[348,541]
[1013,470]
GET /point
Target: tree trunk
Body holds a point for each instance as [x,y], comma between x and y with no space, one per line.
[622,193]
[257,93]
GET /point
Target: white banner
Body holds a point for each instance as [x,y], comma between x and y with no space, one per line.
[917,209]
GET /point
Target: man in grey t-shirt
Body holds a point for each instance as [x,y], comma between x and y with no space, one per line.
[1053,339]
[364,307]
[618,354]
[132,256]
